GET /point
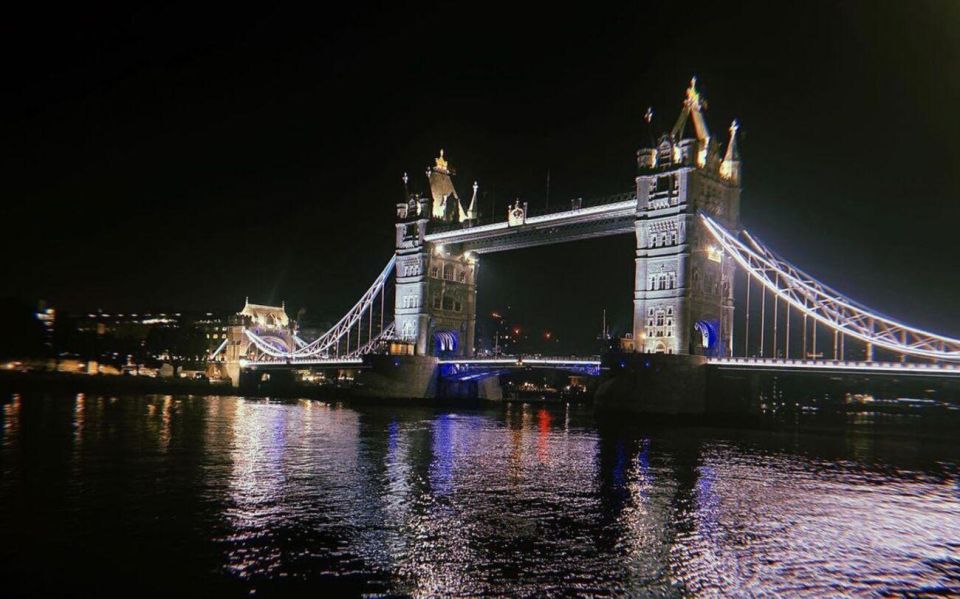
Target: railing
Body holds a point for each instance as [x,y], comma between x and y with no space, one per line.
[903,367]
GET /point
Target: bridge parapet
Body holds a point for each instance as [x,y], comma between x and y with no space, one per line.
[479,368]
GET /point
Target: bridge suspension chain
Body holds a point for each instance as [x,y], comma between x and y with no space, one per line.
[813,299]
[341,330]
[346,333]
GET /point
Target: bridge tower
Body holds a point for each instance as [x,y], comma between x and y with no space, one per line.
[271,324]
[683,291]
[436,293]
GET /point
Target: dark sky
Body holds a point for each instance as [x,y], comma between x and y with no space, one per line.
[177,157]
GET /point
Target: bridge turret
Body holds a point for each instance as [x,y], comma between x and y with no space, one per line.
[730,167]
[471,218]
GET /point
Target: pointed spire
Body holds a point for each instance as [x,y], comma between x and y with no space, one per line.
[446,201]
[733,153]
[730,167]
[472,210]
[693,104]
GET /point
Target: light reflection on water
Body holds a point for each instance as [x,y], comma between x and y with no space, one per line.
[273,497]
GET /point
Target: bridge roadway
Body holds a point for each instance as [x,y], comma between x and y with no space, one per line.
[475,368]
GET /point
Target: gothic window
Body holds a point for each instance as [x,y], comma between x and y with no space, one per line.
[462,276]
[660,318]
[652,282]
[436,300]
[448,272]
[435,272]
[457,307]
[447,303]
[673,238]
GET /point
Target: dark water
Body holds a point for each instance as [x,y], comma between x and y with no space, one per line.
[227,496]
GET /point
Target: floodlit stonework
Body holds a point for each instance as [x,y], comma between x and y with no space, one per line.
[683,292]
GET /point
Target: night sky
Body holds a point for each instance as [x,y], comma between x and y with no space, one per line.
[178,158]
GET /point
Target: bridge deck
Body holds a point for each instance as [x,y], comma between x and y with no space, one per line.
[614,218]
[329,362]
[591,365]
[950,370]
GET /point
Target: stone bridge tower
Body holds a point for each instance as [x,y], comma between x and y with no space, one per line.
[436,293]
[270,323]
[683,291]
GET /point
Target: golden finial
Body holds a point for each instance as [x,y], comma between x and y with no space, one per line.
[693,96]
[441,163]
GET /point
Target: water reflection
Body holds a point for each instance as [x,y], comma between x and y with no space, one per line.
[288,496]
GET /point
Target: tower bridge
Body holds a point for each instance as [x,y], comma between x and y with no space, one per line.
[684,213]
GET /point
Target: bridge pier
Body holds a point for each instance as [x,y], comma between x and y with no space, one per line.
[652,384]
[398,377]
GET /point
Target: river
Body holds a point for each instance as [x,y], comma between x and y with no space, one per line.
[228,496]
